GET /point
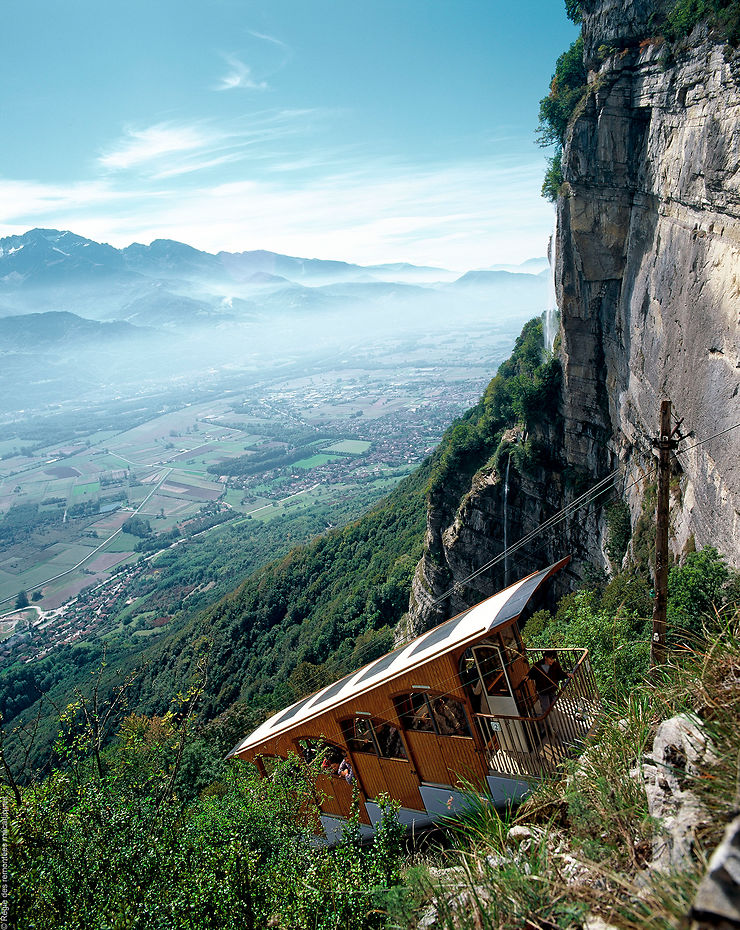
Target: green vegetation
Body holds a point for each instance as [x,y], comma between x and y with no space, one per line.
[582,844]
[22,520]
[699,588]
[370,564]
[156,830]
[720,15]
[619,530]
[117,839]
[296,445]
[349,447]
[298,623]
[567,89]
[615,624]
[21,601]
[314,461]
[137,526]
[524,392]
[83,490]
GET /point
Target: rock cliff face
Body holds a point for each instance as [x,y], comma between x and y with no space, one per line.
[648,283]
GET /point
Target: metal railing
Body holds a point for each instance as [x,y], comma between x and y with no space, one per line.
[536,744]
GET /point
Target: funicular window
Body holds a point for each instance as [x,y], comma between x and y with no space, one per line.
[360,737]
[389,742]
[496,670]
[490,663]
[374,737]
[431,713]
[332,756]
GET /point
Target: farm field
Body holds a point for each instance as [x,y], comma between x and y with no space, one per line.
[315,460]
[307,441]
[349,447]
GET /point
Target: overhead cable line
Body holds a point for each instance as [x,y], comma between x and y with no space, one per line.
[708,439]
[584,500]
[588,497]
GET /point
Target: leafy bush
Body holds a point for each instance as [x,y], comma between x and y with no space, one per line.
[137,526]
[122,850]
[619,528]
[698,589]
[567,89]
[525,390]
[618,642]
[685,15]
[573,10]
[614,622]
[553,180]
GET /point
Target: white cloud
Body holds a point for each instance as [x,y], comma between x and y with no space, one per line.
[268,38]
[32,199]
[461,215]
[197,164]
[239,76]
[141,146]
[167,150]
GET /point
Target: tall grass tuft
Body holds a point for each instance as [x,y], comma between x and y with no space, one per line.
[582,844]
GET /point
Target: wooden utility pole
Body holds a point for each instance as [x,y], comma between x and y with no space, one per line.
[664,443]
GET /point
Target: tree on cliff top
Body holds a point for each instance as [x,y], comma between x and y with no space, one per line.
[567,88]
[573,10]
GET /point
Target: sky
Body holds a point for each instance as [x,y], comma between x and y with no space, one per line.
[375,131]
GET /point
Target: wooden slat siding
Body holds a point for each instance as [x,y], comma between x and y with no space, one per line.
[337,793]
[463,760]
[431,765]
[436,759]
[402,783]
[367,767]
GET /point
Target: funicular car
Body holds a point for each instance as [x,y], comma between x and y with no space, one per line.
[457,706]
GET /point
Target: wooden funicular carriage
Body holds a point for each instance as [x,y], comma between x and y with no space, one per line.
[453,707]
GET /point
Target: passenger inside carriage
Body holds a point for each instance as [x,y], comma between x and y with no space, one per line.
[450,717]
[345,771]
[443,714]
[390,743]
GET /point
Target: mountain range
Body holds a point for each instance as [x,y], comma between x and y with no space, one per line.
[171,284]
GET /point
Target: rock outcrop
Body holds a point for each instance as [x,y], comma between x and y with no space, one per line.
[648,283]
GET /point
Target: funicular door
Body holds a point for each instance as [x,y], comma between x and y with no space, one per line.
[464,764]
[401,783]
[335,794]
[431,766]
[437,730]
[370,774]
[498,698]
[381,761]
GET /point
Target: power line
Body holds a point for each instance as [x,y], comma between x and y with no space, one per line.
[708,439]
[584,500]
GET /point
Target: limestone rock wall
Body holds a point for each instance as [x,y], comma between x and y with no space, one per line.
[649,276]
[648,281]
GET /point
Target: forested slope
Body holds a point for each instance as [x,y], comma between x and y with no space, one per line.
[312,615]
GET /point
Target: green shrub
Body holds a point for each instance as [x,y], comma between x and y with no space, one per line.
[618,643]
[698,589]
[567,89]
[525,390]
[721,15]
[553,180]
[619,530]
[115,851]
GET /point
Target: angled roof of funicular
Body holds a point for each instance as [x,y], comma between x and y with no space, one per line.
[468,626]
